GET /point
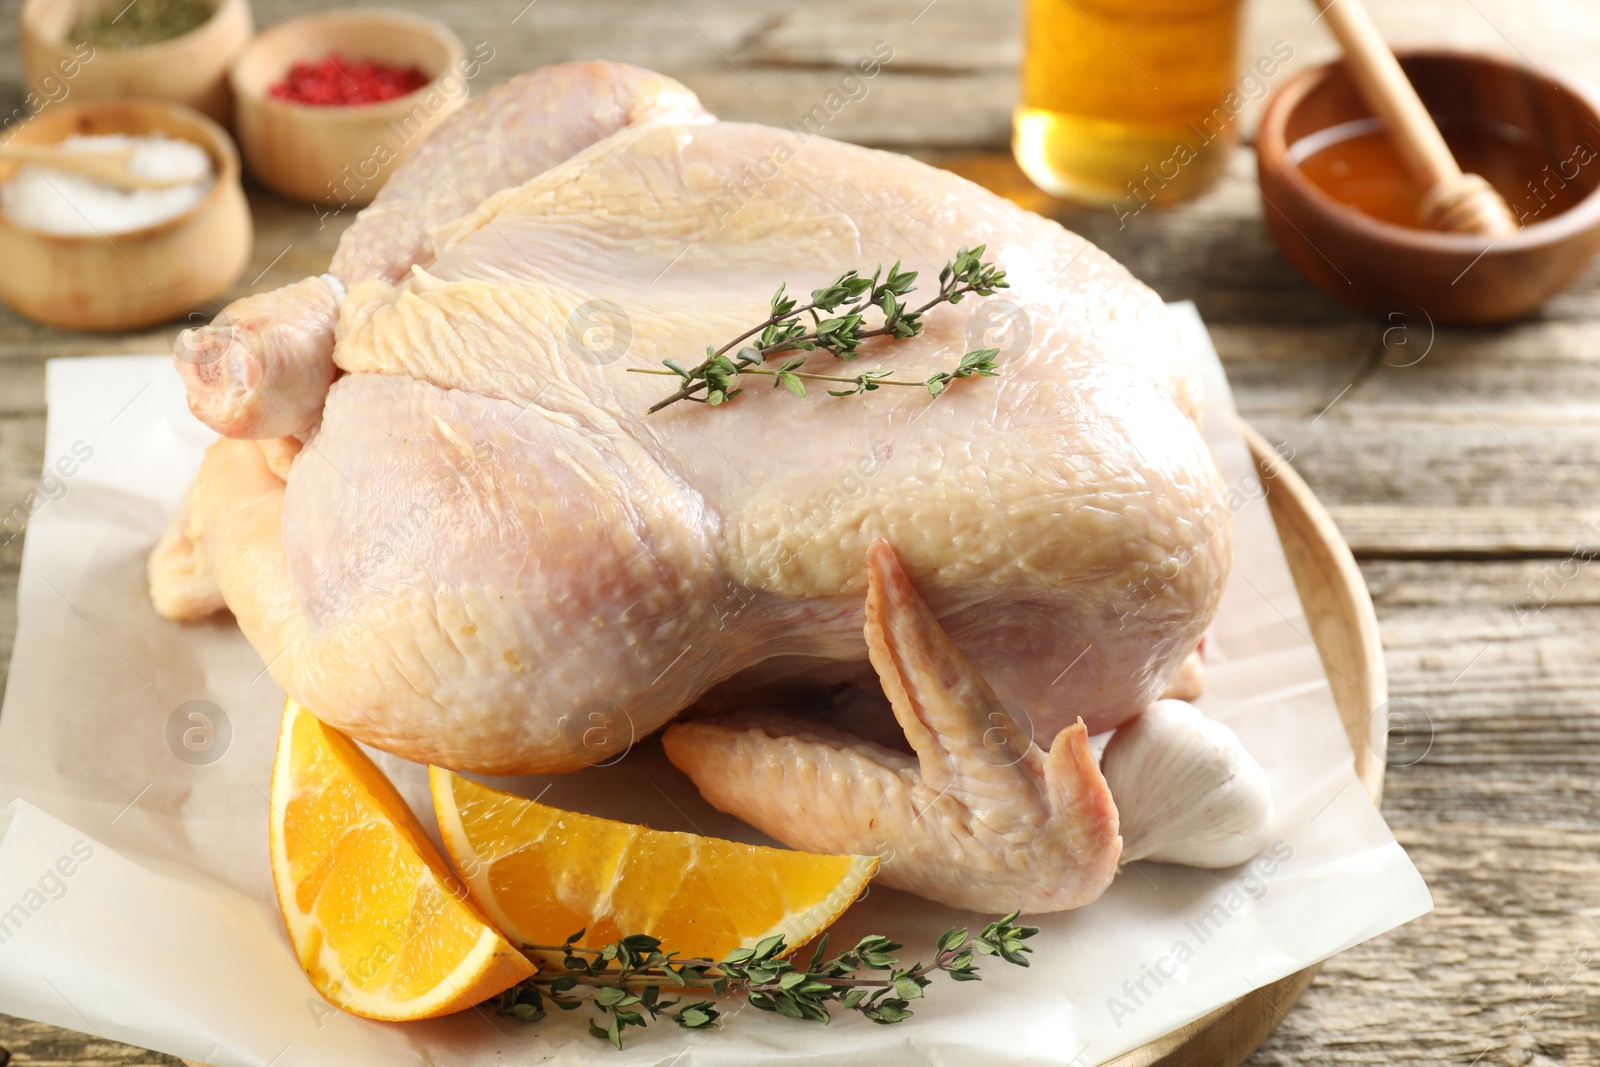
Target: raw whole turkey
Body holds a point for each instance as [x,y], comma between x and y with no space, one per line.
[441,513]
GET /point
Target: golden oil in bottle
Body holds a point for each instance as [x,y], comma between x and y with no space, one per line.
[1129,101]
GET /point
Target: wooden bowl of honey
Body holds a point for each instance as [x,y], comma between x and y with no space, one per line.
[1344,213]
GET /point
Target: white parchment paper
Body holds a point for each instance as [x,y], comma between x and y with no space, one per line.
[135,895]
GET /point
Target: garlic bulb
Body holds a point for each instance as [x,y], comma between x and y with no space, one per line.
[1186,790]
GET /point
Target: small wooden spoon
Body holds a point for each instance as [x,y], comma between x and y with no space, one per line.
[1457,202]
[110,167]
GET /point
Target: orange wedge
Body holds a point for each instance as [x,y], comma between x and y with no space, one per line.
[380,925]
[542,874]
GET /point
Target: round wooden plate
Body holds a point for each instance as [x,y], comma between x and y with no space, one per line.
[1345,629]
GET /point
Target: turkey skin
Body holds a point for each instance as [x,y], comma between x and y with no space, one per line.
[441,513]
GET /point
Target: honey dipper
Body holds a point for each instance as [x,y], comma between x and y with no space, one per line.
[1454,201]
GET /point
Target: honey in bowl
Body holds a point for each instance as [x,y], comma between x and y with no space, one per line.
[1356,164]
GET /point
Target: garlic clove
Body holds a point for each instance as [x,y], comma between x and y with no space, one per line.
[1186,790]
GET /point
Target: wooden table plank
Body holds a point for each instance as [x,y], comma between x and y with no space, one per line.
[37,1045]
[1405,532]
[1500,817]
[953,78]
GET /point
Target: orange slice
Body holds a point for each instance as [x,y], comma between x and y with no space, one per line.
[380,925]
[542,874]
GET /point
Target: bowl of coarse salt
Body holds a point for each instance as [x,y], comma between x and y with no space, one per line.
[89,254]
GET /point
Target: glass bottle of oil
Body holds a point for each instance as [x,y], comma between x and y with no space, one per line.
[1128,101]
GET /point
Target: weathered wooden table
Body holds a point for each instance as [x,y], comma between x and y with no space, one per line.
[1463,467]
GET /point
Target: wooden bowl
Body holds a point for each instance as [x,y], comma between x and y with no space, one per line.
[1379,267]
[131,280]
[342,155]
[191,70]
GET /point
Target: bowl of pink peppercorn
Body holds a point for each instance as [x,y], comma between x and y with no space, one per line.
[327,105]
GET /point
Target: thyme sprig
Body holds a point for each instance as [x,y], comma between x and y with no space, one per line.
[624,981]
[792,326]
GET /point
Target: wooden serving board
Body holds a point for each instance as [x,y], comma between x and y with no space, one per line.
[1345,630]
